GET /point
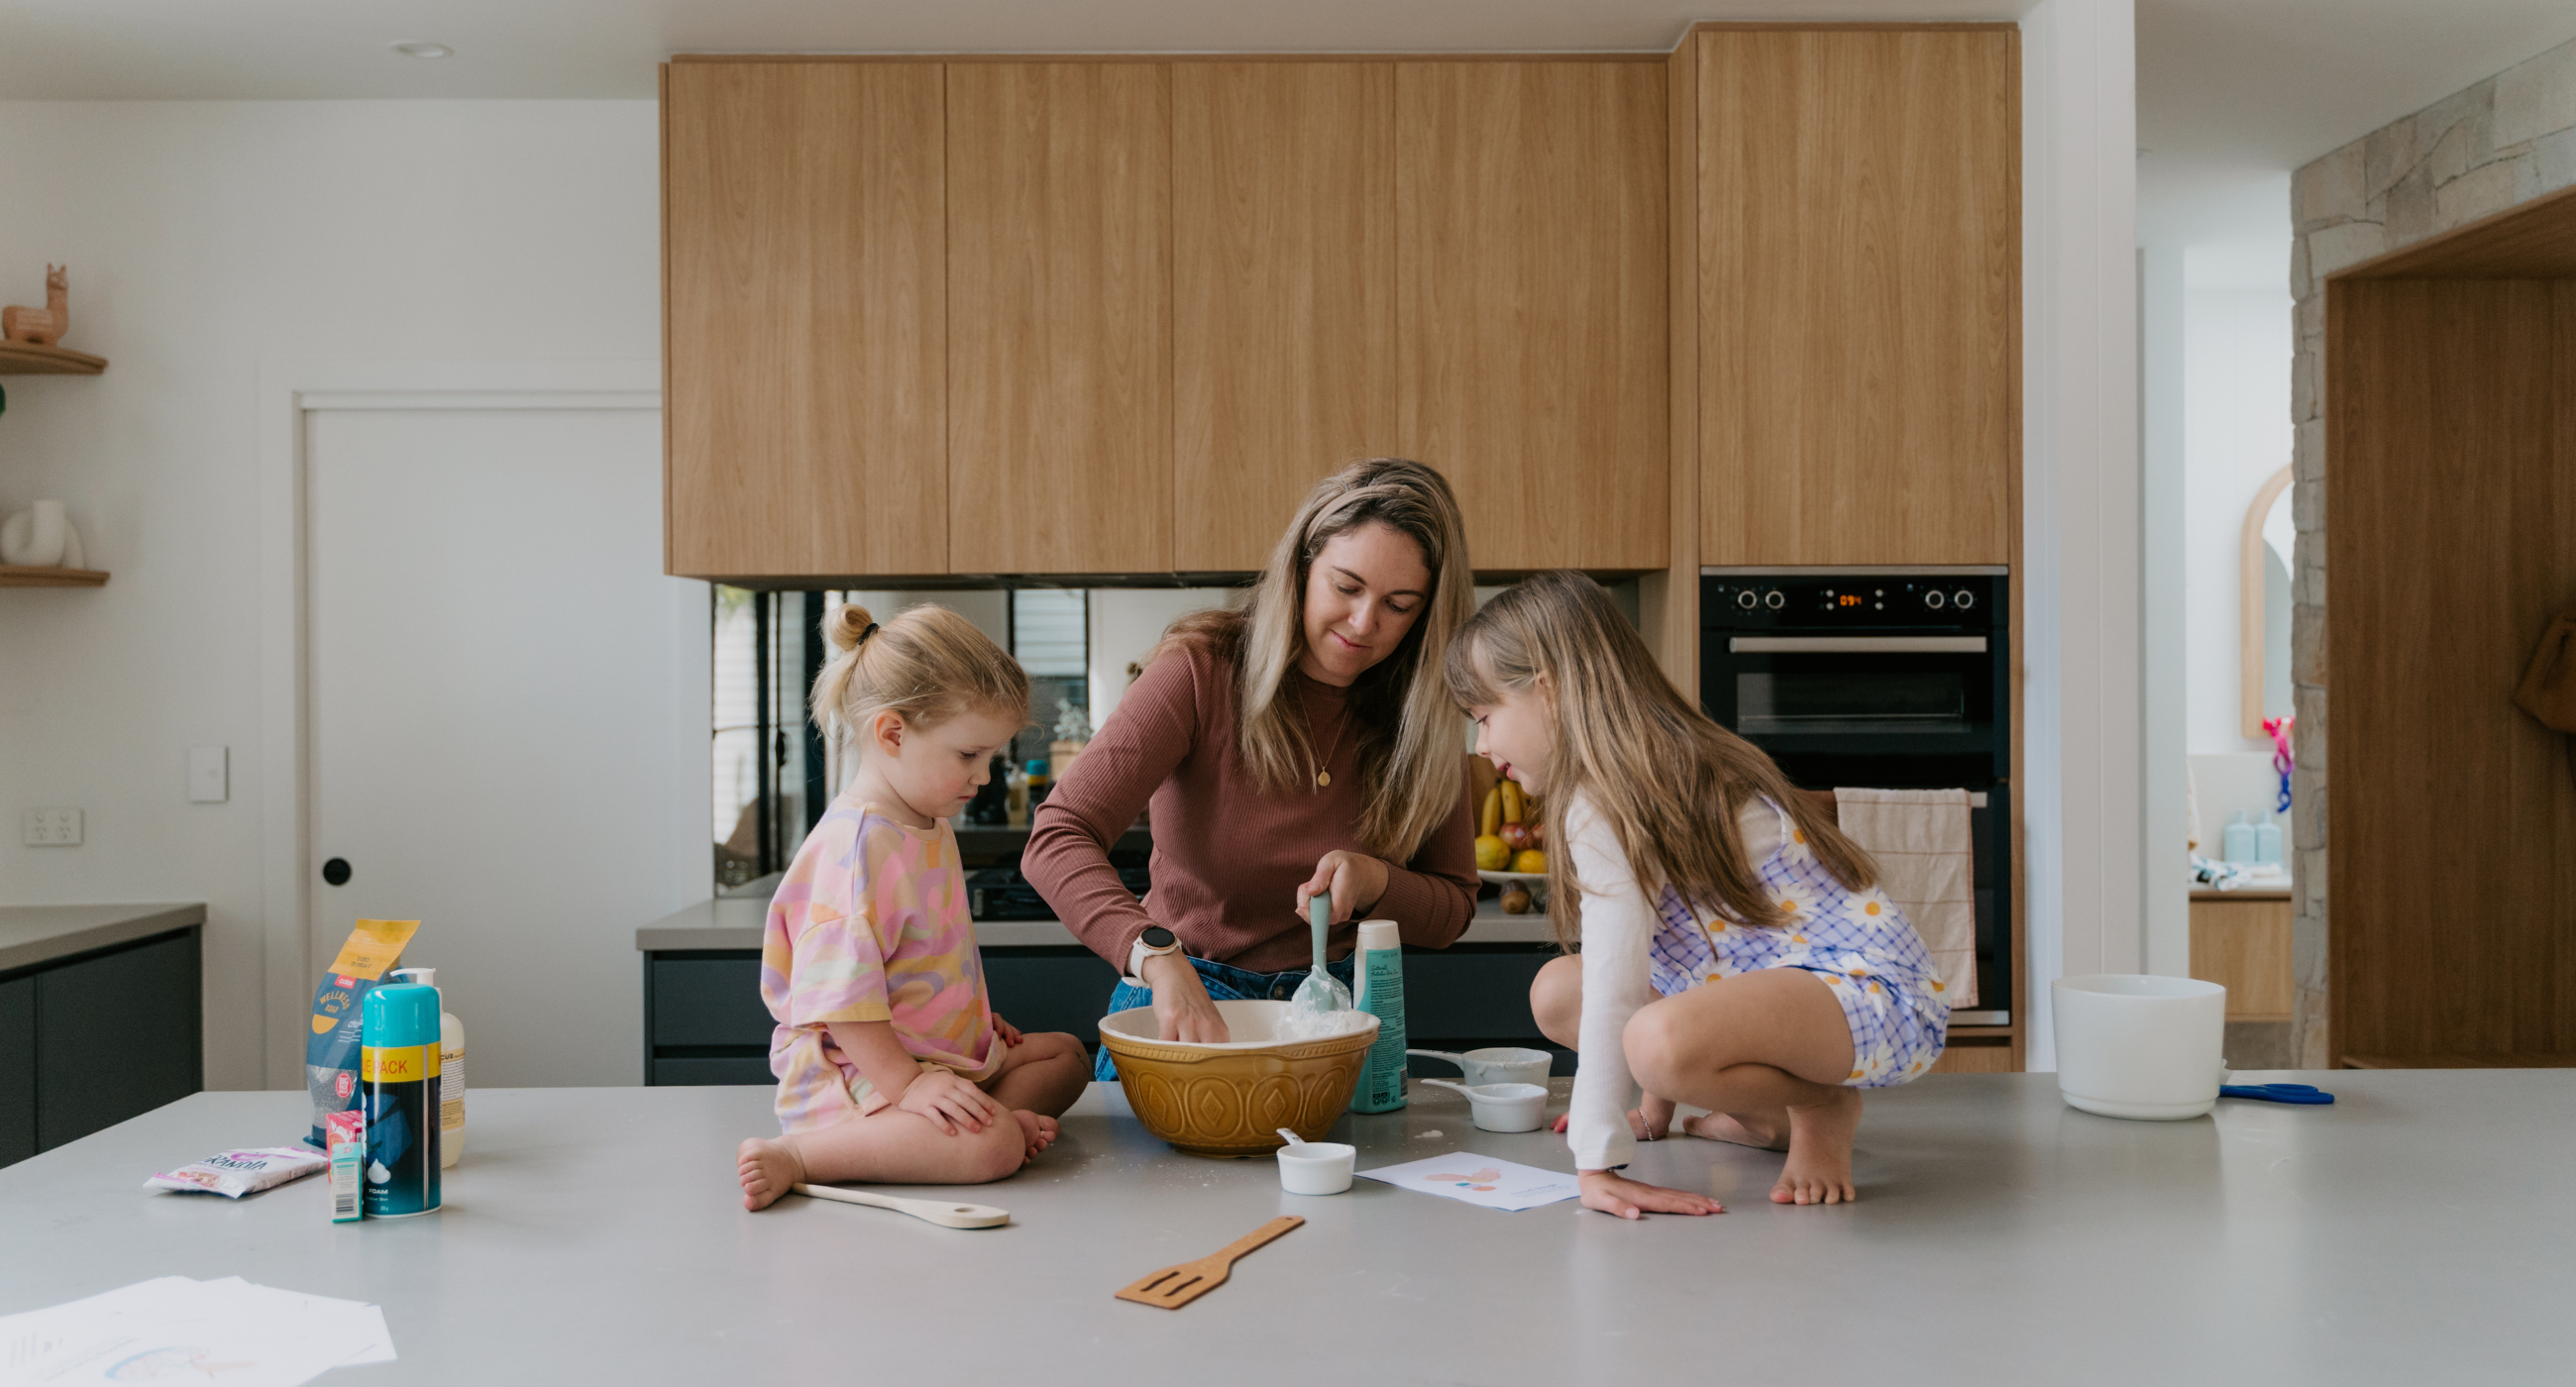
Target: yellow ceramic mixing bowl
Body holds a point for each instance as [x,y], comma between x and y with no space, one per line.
[1231,1099]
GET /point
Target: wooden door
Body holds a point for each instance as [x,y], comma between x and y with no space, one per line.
[1859,241]
[1531,360]
[1059,312]
[1283,293]
[804,319]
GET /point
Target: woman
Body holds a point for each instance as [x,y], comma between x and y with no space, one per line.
[1300,746]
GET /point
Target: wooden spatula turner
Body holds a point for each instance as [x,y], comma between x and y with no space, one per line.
[1176,1286]
[941,1212]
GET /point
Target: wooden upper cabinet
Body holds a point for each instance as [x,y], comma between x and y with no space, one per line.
[804,320]
[1283,293]
[1059,312]
[1859,235]
[1531,360]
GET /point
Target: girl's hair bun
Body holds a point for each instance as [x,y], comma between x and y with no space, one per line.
[848,626]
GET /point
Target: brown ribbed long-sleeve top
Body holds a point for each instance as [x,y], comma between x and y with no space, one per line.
[1228,854]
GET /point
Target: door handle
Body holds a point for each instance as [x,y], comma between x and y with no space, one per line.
[336,871]
[1856,645]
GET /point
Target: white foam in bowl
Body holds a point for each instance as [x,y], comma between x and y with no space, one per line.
[1257,1025]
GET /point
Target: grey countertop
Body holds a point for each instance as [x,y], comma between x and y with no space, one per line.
[32,934]
[734,922]
[2414,1232]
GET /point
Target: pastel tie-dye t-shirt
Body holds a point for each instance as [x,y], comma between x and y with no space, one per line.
[870,924]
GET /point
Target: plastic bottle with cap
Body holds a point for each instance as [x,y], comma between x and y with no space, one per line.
[451,1070]
[1378,968]
[398,1075]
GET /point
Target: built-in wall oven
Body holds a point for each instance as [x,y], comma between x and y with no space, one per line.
[1894,679]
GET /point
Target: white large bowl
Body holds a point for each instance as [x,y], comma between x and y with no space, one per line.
[2138,1045]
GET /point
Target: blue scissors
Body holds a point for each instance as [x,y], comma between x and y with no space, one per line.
[2307,1094]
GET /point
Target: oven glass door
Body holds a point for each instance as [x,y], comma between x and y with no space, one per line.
[1938,691]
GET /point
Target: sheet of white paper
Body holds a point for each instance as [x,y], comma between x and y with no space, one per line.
[228,1330]
[1484,1181]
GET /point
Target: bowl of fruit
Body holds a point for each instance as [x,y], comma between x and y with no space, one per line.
[1511,847]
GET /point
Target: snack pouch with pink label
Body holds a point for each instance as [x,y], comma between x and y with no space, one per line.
[233,1174]
[331,1049]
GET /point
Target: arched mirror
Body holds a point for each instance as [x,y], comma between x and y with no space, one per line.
[2264,590]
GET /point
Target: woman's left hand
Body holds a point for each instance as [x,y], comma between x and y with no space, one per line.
[1355,880]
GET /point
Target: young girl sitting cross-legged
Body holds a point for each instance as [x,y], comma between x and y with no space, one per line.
[891,1064]
[1736,954]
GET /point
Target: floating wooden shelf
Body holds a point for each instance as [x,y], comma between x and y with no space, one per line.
[17,576]
[28,359]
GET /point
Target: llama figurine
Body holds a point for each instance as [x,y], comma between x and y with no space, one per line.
[42,326]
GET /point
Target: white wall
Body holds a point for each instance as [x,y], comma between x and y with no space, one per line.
[1125,625]
[204,238]
[2164,831]
[2236,349]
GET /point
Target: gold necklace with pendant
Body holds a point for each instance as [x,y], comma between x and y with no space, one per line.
[1324,777]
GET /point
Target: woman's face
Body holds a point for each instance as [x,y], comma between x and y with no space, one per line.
[1365,591]
[1518,736]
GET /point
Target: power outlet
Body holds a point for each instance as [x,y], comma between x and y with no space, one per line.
[53,828]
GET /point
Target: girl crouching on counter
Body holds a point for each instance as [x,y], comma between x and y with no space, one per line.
[891,1064]
[1736,953]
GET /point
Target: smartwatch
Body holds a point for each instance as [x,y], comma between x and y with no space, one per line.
[1155,940]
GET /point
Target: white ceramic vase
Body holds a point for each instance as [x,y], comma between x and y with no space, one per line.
[36,537]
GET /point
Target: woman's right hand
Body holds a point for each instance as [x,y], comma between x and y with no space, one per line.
[1182,1009]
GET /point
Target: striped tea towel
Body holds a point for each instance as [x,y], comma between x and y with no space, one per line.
[1920,838]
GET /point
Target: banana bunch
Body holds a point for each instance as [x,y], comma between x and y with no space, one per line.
[1509,833]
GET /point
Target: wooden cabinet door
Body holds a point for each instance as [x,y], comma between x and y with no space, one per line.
[804,320]
[1059,312]
[1283,294]
[1859,312]
[1531,359]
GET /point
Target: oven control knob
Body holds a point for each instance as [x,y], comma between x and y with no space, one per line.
[1774,600]
[1747,600]
[1934,599]
[1964,599]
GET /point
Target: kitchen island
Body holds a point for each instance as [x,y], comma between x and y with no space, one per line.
[2412,1232]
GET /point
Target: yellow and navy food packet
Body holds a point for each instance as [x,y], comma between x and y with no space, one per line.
[331,1049]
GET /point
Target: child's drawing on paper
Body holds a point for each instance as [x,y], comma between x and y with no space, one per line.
[1481,1181]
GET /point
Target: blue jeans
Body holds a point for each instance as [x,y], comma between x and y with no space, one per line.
[1224,983]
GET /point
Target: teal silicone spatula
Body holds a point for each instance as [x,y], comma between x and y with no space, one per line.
[1321,991]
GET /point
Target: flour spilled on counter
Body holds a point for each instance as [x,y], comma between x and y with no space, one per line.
[1434,1132]
[1321,1025]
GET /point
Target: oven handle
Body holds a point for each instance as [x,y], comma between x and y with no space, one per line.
[1829,645]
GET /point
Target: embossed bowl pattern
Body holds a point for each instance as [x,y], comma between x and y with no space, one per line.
[1231,1099]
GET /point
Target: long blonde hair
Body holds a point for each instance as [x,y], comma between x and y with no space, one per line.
[929,664]
[1410,773]
[1665,776]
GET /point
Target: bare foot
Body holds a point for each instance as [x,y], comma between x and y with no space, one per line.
[768,1170]
[1820,1147]
[1039,1130]
[1761,1131]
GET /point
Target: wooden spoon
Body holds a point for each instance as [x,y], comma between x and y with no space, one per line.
[928,1210]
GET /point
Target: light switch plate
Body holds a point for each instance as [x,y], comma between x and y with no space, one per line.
[53,828]
[209,774]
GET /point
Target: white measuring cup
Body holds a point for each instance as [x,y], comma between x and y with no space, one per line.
[1315,1167]
[1496,1064]
[1502,1107]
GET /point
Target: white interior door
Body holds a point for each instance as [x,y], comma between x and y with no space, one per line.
[509,717]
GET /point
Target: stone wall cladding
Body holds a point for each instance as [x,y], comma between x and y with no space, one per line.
[2471,154]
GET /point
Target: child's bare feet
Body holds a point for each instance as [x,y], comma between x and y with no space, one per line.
[1761,1131]
[768,1169]
[1820,1148]
[1039,1130]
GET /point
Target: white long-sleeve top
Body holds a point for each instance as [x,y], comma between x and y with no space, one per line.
[1619,924]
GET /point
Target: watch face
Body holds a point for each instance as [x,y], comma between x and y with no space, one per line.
[1157,937]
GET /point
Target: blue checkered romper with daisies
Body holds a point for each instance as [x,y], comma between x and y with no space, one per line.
[1857,941]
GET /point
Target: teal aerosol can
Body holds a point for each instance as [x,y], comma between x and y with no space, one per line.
[1379,971]
[398,1074]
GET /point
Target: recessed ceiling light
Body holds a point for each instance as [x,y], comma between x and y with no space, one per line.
[424,50]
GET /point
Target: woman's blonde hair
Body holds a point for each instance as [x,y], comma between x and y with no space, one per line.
[928,664]
[1663,774]
[1410,772]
